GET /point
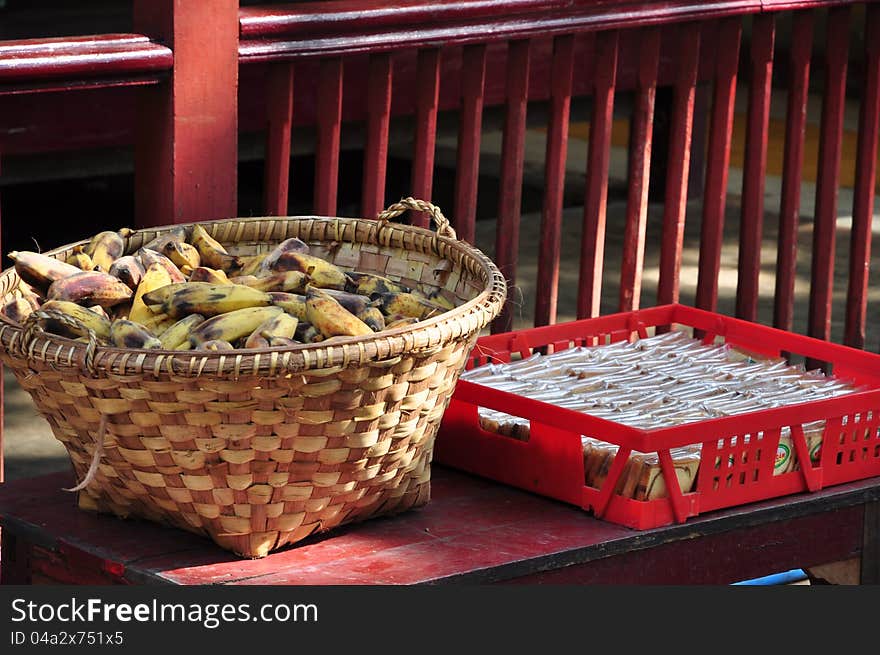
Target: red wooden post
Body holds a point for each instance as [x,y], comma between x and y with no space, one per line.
[830,137]
[755,168]
[512,156]
[186,153]
[427,90]
[554,180]
[598,162]
[279,105]
[473,83]
[378,121]
[678,168]
[639,171]
[792,168]
[329,128]
[720,132]
[866,175]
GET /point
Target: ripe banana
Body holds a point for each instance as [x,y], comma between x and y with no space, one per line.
[17,310]
[292,303]
[307,333]
[40,270]
[178,333]
[292,244]
[129,270]
[251,264]
[353,302]
[332,319]
[408,304]
[400,321]
[129,334]
[321,273]
[87,317]
[232,325]
[182,254]
[373,317]
[177,233]
[148,257]
[280,325]
[212,252]
[81,260]
[281,342]
[205,274]
[155,277]
[215,344]
[104,248]
[369,284]
[205,298]
[90,288]
[437,299]
[287,281]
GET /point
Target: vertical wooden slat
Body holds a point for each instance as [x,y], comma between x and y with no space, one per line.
[554,180]
[427,94]
[186,146]
[512,156]
[755,168]
[678,166]
[279,105]
[718,164]
[378,121]
[792,168]
[329,128]
[598,162]
[639,171]
[830,138]
[473,82]
[866,176]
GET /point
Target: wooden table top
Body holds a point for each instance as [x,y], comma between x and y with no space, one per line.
[473,530]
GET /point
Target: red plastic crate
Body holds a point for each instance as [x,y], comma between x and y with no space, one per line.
[551,462]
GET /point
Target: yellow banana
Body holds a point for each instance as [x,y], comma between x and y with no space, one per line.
[353,302]
[178,333]
[332,319]
[87,317]
[280,342]
[408,304]
[373,317]
[104,248]
[129,334]
[400,321]
[292,303]
[251,264]
[368,284]
[233,325]
[178,300]
[206,274]
[81,260]
[280,325]
[287,281]
[177,233]
[212,252]
[215,344]
[90,288]
[437,299]
[40,270]
[182,254]
[321,273]
[148,257]
[155,277]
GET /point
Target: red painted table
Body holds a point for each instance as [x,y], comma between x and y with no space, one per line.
[473,530]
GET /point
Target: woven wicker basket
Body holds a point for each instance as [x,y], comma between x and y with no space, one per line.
[261,448]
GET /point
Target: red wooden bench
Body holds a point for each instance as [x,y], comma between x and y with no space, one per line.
[323,65]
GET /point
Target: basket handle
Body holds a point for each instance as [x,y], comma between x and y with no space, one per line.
[33,328]
[444,229]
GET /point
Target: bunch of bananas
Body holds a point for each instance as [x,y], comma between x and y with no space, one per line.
[184,290]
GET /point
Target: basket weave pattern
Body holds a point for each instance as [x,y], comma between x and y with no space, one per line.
[261,448]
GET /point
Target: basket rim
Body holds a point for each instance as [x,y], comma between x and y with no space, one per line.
[431,334]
